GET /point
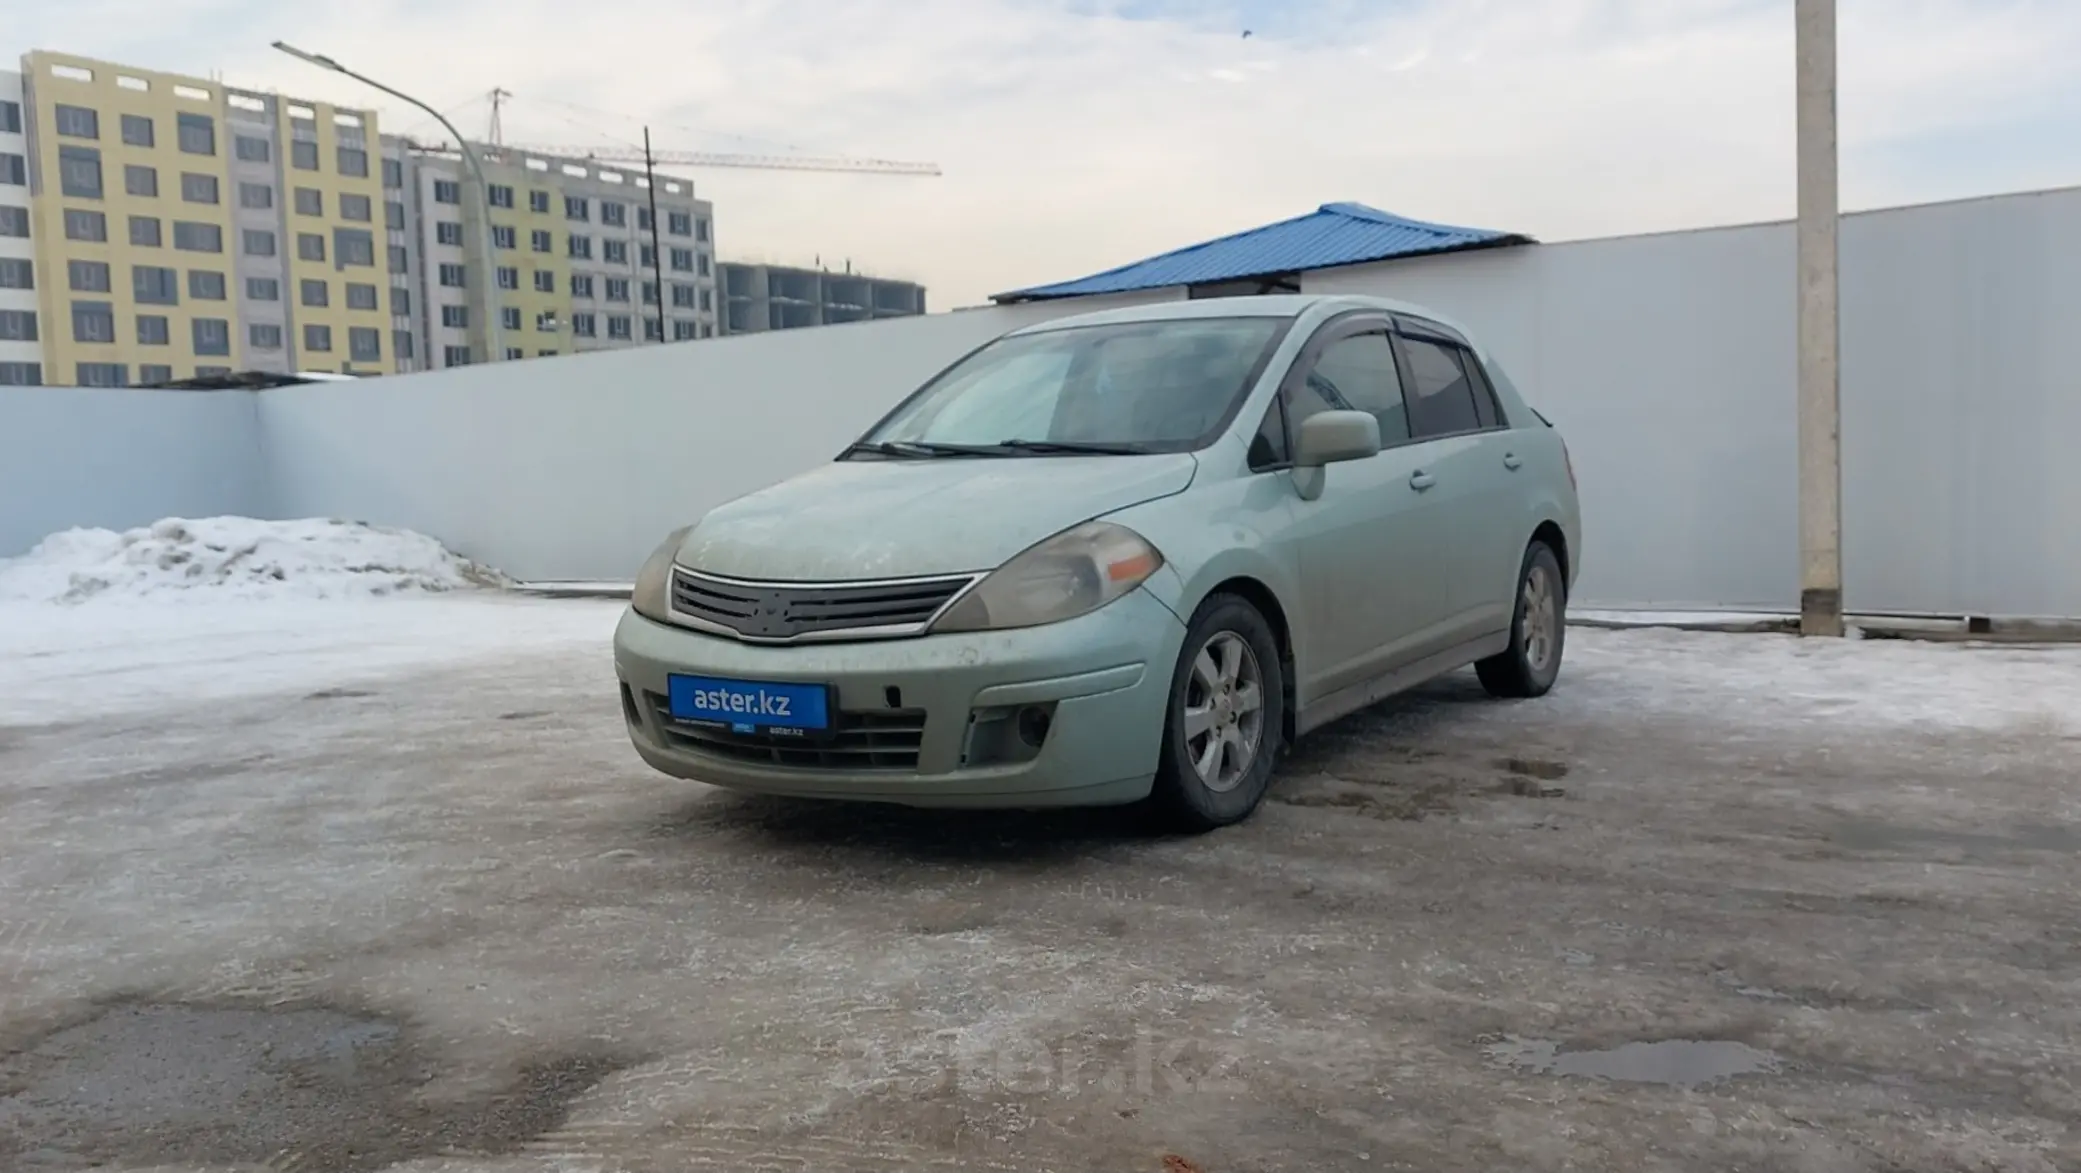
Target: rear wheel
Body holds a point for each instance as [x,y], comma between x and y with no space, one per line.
[1223,728]
[1538,630]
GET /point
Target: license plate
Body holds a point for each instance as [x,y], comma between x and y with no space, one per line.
[751,706]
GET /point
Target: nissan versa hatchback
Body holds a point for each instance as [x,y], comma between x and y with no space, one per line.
[1121,556]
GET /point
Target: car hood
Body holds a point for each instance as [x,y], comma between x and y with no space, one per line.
[862,519]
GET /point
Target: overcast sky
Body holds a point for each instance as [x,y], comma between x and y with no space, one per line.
[1079,134]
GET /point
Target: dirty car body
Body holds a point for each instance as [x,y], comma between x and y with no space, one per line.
[1111,557]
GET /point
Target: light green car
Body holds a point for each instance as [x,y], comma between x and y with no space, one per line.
[1121,556]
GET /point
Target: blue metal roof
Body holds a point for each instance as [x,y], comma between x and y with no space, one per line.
[1334,234]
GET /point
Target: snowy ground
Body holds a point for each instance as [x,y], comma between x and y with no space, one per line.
[416,824]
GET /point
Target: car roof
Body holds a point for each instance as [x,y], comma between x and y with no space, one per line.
[1273,305]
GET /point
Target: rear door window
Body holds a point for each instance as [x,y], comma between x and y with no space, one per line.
[1441,396]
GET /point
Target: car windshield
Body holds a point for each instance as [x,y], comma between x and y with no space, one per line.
[1160,386]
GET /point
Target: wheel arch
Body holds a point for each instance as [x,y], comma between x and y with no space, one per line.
[1550,532]
[1261,596]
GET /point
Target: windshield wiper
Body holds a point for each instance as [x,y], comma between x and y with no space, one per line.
[1075,447]
[918,449]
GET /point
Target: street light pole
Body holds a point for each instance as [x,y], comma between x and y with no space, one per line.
[469,158]
[1820,337]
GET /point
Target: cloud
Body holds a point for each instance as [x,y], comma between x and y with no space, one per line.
[1079,134]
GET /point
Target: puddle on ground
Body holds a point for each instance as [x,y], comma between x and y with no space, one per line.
[1670,1062]
[324,1089]
[1861,835]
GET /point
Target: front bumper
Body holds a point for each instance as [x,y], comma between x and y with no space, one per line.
[930,721]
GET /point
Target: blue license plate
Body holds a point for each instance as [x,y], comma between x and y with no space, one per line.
[750,706]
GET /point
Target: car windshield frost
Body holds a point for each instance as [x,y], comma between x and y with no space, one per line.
[1161,386]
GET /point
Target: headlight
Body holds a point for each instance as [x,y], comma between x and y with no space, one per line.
[1073,573]
[652,597]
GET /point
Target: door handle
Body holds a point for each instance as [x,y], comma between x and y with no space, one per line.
[1421,480]
[1510,461]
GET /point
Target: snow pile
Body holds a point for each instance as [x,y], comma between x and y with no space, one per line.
[240,558]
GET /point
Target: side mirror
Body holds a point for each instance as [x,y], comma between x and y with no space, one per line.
[1329,437]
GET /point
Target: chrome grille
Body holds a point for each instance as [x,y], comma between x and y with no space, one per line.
[880,739]
[779,611]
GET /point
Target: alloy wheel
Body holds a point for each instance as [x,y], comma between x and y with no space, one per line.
[1224,711]
[1542,618]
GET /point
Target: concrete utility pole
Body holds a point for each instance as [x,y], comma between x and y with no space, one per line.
[1820,338]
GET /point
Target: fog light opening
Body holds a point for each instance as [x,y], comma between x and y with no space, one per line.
[629,712]
[1033,724]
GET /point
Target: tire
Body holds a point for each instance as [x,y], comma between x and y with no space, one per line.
[1538,630]
[1211,702]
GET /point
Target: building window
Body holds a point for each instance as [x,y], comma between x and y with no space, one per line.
[310,246]
[14,220]
[618,327]
[545,281]
[195,237]
[87,276]
[652,332]
[139,180]
[682,330]
[614,213]
[393,173]
[581,285]
[549,353]
[577,208]
[509,317]
[362,296]
[356,208]
[584,325]
[701,266]
[259,242]
[317,339]
[264,336]
[648,257]
[153,285]
[400,260]
[81,224]
[152,331]
[642,219]
[13,169]
[679,223]
[197,134]
[393,215]
[581,247]
[93,321]
[448,232]
[509,278]
[650,293]
[515,353]
[455,356]
[79,172]
[212,336]
[701,229]
[252,149]
[451,275]
[303,154]
[151,374]
[614,252]
[206,371]
[17,325]
[137,130]
[364,344]
[17,273]
[455,317]
[545,322]
[256,195]
[312,291]
[144,231]
[353,161]
[400,300]
[617,289]
[354,246]
[102,374]
[500,194]
[310,201]
[205,285]
[541,240]
[401,343]
[263,289]
[198,189]
[10,117]
[706,305]
[76,121]
[538,201]
[682,260]
[20,374]
[504,236]
[447,191]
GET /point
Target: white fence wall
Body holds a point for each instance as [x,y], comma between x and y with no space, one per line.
[1669,361]
[121,458]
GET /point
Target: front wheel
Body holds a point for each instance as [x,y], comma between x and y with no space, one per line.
[1223,728]
[1538,629]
